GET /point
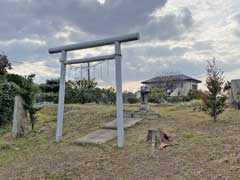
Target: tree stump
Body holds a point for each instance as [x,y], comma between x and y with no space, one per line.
[19,117]
[158,138]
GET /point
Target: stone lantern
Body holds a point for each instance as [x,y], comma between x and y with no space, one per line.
[144,106]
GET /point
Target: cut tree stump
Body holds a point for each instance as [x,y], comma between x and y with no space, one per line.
[158,138]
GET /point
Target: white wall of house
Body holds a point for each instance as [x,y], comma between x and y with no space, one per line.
[183,88]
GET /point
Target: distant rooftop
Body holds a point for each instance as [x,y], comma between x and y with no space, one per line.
[180,77]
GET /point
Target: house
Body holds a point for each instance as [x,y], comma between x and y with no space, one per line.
[173,85]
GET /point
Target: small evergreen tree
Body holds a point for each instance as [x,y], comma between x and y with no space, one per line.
[214,98]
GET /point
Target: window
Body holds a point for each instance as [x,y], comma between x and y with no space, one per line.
[194,86]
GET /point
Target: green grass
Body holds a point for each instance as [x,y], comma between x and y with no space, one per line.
[197,147]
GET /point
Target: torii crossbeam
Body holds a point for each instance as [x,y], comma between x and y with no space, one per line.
[118,71]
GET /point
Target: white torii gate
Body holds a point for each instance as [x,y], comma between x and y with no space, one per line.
[118,68]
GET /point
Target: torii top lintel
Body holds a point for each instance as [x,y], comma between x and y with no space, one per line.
[96,43]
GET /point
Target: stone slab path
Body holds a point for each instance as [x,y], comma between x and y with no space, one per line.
[128,122]
[98,137]
[106,133]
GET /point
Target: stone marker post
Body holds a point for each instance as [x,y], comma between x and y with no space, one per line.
[235,88]
[19,117]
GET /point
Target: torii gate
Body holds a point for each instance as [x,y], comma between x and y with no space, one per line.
[118,71]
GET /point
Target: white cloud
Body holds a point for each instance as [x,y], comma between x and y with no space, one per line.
[23,41]
[101,1]
[213,24]
[40,68]
[232,75]
[213,33]
[132,86]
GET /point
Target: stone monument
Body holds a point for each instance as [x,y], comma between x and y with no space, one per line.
[235,88]
[20,117]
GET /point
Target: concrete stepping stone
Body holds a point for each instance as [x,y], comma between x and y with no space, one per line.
[107,133]
[98,137]
[128,122]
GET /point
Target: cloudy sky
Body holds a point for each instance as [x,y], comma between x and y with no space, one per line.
[177,36]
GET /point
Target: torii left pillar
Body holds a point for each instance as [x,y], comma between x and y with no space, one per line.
[61,96]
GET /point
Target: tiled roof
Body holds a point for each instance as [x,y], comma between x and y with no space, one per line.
[180,77]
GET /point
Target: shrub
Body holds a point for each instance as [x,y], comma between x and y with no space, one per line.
[193,94]
[51,86]
[132,100]
[82,92]
[7,95]
[157,95]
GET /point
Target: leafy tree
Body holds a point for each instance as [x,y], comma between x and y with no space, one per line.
[157,95]
[49,91]
[214,99]
[82,91]
[4,64]
[108,95]
[51,86]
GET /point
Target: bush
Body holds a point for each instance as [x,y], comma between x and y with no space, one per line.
[129,97]
[51,86]
[7,95]
[193,94]
[132,100]
[157,95]
[83,92]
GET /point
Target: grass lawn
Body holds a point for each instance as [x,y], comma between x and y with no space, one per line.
[200,150]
